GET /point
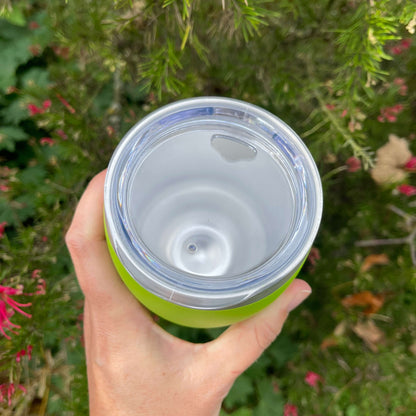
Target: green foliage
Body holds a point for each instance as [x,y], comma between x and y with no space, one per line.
[90,70]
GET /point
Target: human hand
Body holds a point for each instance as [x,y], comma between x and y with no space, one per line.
[134,367]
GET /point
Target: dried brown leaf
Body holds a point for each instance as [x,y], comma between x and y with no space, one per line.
[328,342]
[370,334]
[374,259]
[366,298]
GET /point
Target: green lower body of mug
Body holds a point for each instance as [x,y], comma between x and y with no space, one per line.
[196,318]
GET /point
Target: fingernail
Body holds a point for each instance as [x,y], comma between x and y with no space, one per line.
[298,299]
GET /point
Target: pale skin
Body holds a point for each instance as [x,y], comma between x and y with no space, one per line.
[134,367]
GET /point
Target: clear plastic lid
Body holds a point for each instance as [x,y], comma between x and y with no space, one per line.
[212,203]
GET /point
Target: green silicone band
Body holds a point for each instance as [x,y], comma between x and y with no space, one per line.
[181,315]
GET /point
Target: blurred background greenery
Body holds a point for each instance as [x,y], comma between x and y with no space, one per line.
[75,75]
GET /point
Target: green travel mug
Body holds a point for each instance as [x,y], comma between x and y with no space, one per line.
[211,207]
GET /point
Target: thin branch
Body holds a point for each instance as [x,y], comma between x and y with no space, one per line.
[381,242]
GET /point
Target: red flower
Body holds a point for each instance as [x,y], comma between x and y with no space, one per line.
[290,410]
[389,113]
[313,379]
[23,352]
[330,107]
[400,82]
[8,389]
[66,104]
[33,109]
[2,228]
[47,141]
[19,355]
[41,287]
[405,43]
[33,25]
[46,104]
[396,50]
[29,351]
[61,134]
[353,164]
[407,190]
[36,273]
[344,113]
[4,188]
[8,307]
[401,47]
[411,164]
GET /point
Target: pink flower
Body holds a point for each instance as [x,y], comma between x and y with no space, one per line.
[330,107]
[344,113]
[8,389]
[47,141]
[411,164]
[44,238]
[353,164]
[4,188]
[2,228]
[61,134]
[41,287]
[401,47]
[389,113]
[405,43]
[23,352]
[66,104]
[33,109]
[36,273]
[396,50]
[407,190]
[313,379]
[46,104]
[290,410]
[8,307]
[19,355]
[400,82]
[29,351]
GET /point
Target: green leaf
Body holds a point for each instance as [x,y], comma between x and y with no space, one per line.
[32,175]
[25,206]
[244,411]
[15,16]
[271,402]
[7,212]
[36,76]
[14,113]
[281,351]
[9,135]
[240,392]
[12,54]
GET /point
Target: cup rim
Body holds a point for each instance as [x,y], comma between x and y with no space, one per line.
[166,281]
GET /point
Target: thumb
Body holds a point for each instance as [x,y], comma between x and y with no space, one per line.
[242,343]
[96,274]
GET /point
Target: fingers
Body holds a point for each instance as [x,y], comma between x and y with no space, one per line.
[103,289]
[241,344]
